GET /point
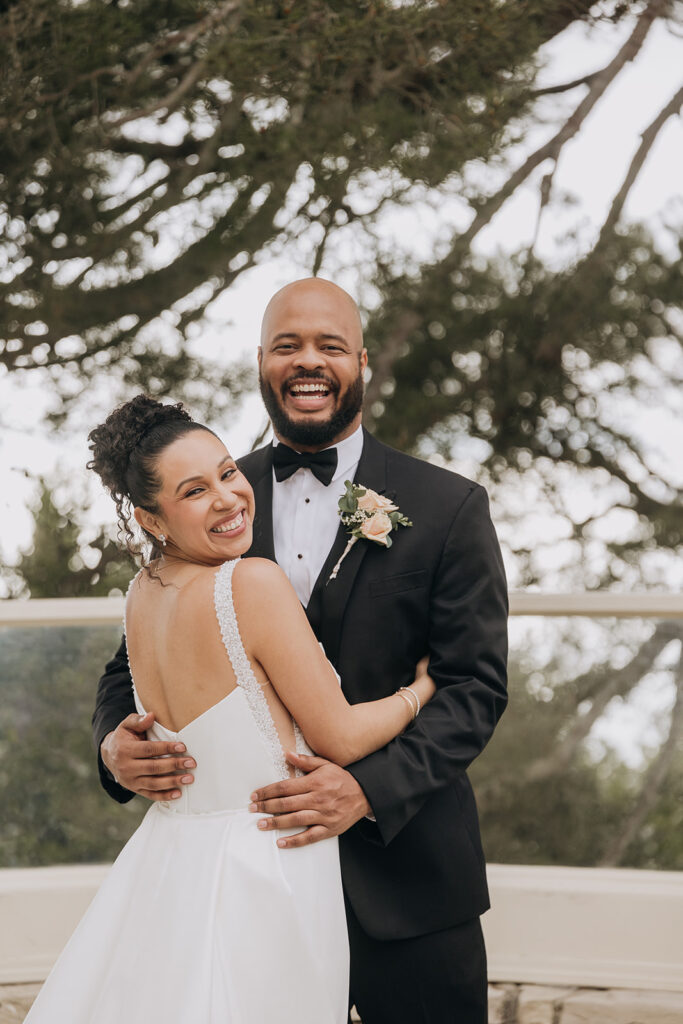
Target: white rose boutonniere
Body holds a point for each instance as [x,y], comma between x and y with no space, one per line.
[367,515]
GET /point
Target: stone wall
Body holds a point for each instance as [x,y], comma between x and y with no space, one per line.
[508,1004]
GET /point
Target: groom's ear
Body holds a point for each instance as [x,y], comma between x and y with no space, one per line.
[259,356]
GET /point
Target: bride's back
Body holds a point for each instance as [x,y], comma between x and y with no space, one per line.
[178,652]
[177,657]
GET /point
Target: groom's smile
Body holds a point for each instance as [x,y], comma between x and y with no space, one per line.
[306,393]
[311,363]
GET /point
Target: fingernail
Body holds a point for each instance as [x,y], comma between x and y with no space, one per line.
[254,796]
[262,824]
[179,748]
[189,764]
[282,843]
[175,794]
[187,778]
[253,807]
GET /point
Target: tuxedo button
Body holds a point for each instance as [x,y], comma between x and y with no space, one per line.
[299,556]
[307,500]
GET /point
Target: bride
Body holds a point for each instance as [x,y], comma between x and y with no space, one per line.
[233,929]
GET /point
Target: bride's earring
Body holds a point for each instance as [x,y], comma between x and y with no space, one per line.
[162,540]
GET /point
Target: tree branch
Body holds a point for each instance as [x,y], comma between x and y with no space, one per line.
[169,102]
[647,139]
[616,683]
[600,81]
[550,90]
[552,148]
[184,36]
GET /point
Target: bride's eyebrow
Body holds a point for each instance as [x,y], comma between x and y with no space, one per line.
[189,479]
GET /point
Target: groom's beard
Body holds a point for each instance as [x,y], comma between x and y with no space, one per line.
[319,434]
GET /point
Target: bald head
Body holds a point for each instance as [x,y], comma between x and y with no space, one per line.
[313,303]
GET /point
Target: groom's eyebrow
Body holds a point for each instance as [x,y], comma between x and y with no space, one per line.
[189,479]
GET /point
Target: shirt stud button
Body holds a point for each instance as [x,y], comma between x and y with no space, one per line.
[299,556]
[307,501]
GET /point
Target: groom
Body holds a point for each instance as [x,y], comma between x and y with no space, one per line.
[412,863]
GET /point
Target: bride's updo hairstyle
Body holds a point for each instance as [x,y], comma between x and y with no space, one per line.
[125,454]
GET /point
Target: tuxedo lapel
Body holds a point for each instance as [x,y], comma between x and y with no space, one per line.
[325,609]
[258,469]
[329,598]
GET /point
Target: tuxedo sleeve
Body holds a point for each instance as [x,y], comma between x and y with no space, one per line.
[113,703]
[467,660]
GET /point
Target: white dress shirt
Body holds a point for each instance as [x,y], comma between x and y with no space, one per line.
[306,519]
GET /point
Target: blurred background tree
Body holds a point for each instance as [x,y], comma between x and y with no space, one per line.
[547,794]
[151,154]
[60,562]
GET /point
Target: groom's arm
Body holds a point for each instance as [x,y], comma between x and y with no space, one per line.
[467,661]
[128,762]
[113,703]
[468,653]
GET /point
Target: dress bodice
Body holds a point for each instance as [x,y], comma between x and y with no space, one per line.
[234,742]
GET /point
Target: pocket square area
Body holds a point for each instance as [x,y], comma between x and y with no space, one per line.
[395,584]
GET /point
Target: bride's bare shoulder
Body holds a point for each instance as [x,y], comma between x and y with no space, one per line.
[260,582]
[258,570]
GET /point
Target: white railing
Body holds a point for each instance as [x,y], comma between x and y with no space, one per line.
[103,611]
[599,927]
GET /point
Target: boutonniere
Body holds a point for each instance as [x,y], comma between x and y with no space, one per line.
[367,515]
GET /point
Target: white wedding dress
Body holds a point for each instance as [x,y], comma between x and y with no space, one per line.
[202,918]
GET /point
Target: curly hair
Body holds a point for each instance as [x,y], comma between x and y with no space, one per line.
[125,453]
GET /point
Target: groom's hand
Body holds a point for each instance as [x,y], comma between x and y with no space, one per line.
[149,768]
[326,801]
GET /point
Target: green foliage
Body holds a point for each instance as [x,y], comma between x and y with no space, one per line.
[522,358]
[571,815]
[53,808]
[54,566]
[54,811]
[150,152]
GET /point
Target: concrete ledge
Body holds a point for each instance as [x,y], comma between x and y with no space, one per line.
[39,909]
[602,927]
[549,926]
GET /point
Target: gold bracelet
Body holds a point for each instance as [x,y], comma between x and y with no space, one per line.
[408,702]
[411,693]
[418,705]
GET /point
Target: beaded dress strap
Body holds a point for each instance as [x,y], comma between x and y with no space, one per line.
[244,674]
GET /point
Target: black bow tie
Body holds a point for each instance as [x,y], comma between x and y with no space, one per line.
[321,464]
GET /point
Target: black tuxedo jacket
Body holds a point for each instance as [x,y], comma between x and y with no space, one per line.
[439,590]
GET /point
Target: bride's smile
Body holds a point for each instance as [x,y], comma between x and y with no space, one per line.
[204,506]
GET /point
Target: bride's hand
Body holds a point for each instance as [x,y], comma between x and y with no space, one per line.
[423,684]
